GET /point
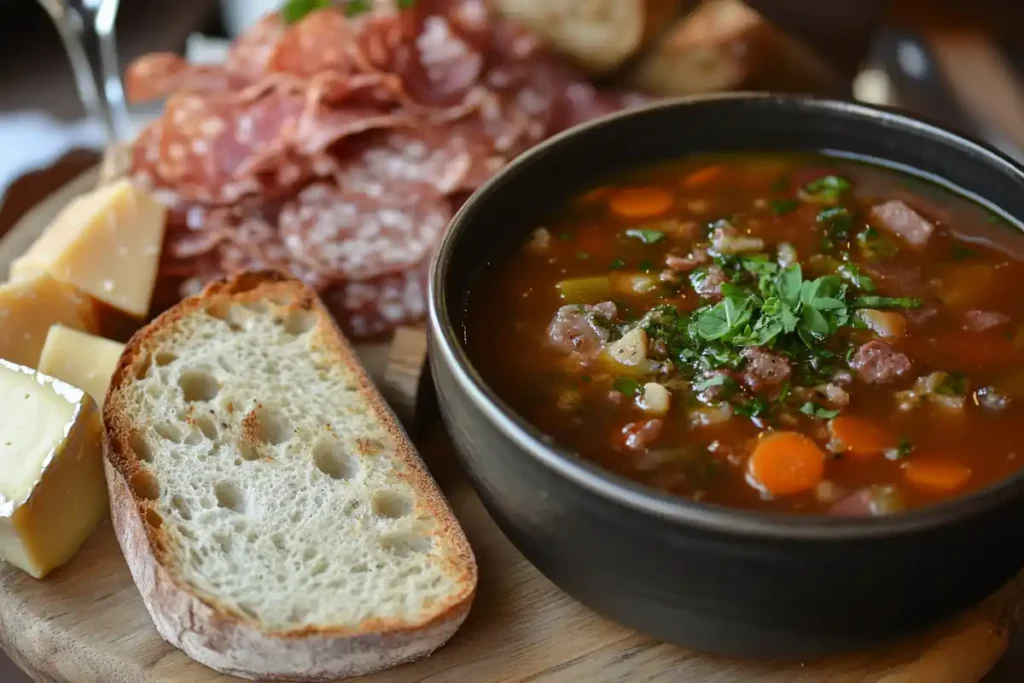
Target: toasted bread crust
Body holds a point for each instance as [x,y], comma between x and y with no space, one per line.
[214,634]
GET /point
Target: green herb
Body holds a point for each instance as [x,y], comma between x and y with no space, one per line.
[849,353]
[780,184]
[565,236]
[902,450]
[887,302]
[827,188]
[405,4]
[646,265]
[781,207]
[851,273]
[874,245]
[719,380]
[837,222]
[293,10]
[783,392]
[963,253]
[626,385]
[585,378]
[354,8]
[814,410]
[617,264]
[646,235]
[755,407]
[582,255]
[995,218]
[953,384]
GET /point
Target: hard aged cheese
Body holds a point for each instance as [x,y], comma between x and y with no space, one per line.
[28,309]
[106,243]
[80,359]
[52,489]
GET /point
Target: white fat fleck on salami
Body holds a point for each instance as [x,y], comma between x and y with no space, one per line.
[364,229]
[375,307]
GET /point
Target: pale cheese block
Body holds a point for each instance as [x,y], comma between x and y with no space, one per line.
[82,360]
[52,487]
[106,243]
[28,309]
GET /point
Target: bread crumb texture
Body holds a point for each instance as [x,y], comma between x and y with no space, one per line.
[271,481]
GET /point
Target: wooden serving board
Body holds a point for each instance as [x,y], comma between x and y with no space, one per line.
[86,623]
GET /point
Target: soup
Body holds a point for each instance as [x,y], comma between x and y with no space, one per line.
[798,333]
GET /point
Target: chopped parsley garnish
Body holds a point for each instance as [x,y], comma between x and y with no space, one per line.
[646,265]
[719,380]
[851,273]
[585,378]
[780,184]
[904,448]
[887,302]
[294,10]
[837,222]
[582,255]
[875,245]
[827,188]
[783,392]
[953,384]
[996,218]
[781,207]
[565,236]
[961,253]
[626,385]
[814,410]
[405,4]
[617,264]
[755,407]
[354,8]
[646,235]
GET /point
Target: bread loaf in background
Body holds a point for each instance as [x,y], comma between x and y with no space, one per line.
[599,35]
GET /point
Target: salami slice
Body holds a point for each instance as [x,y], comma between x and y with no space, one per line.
[161,74]
[374,308]
[252,51]
[319,42]
[366,228]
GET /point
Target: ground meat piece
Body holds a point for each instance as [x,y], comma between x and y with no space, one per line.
[763,368]
[922,315]
[902,221]
[878,363]
[979,321]
[638,436]
[696,257]
[709,283]
[836,395]
[582,328]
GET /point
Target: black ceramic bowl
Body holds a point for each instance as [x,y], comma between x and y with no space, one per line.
[704,576]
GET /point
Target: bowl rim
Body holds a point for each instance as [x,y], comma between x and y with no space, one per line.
[615,488]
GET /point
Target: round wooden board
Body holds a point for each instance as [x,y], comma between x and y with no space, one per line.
[86,623]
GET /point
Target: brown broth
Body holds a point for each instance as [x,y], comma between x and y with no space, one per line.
[970,263]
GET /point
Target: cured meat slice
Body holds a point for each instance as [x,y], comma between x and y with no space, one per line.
[161,74]
[251,52]
[320,41]
[373,308]
[364,229]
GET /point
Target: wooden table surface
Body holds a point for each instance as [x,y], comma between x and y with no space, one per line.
[961,34]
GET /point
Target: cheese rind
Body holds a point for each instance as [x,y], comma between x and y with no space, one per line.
[52,487]
[82,360]
[28,309]
[106,243]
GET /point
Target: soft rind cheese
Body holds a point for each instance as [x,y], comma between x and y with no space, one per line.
[106,243]
[82,360]
[52,488]
[28,309]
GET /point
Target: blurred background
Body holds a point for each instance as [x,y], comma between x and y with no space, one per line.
[960,62]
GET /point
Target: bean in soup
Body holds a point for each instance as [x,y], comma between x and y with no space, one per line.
[797,333]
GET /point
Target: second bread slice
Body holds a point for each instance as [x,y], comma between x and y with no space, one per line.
[273,514]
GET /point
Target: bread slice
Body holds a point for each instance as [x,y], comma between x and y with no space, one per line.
[599,35]
[274,516]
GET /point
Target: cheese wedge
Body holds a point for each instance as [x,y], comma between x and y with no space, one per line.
[106,243]
[28,309]
[52,487]
[82,360]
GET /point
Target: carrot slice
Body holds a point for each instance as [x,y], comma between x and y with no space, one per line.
[786,462]
[641,202]
[936,474]
[861,436]
[704,177]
